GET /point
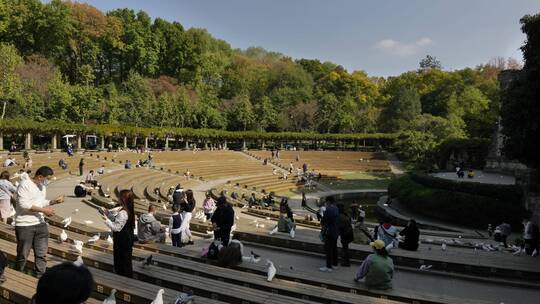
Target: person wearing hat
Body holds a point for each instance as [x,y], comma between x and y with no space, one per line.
[377,268]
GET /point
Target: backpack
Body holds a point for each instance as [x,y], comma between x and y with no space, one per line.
[213,251]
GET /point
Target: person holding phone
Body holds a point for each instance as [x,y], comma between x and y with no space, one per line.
[30,228]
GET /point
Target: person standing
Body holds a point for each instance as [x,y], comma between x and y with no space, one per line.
[178,195]
[6,193]
[122,224]
[223,220]
[330,233]
[175,222]
[209,205]
[412,236]
[81,166]
[30,227]
[187,207]
[346,234]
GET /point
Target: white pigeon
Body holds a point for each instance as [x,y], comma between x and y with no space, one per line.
[233,228]
[271,231]
[78,246]
[76,210]
[63,236]
[66,221]
[261,225]
[425,267]
[111,299]
[164,206]
[389,247]
[159,297]
[292,233]
[534,253]
[79,261]
[267,218]
[109,240]
[87,222]
[94,239]
[237,217]
[443,246]
[271,272]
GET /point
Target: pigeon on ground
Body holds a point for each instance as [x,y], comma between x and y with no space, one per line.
[111,299]
[94,239]
[159,297]
[75,211]
[147,261]
[237,217]
[79,262]
[292,233]
[255,257]
[443,246]
[425,267]
[66,221]
[184,298]
[78,246]
[87,222]
[272,231]
[267,218]
[534,253]
[63,236]
[109,240]
[271,272]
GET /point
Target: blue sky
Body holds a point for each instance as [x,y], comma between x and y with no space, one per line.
[382,37]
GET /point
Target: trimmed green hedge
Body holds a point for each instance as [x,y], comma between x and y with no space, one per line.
[505,192]
[455,207]
[52,127]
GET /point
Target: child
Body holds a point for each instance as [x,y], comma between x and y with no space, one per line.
[175,221]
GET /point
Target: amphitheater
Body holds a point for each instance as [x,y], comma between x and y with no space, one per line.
[460,274]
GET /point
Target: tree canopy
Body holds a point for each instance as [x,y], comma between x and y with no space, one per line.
[71,62]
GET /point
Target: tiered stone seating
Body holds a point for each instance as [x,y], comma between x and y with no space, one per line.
[330,163]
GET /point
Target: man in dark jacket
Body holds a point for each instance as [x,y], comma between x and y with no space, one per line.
[346,234]
[223,220]
[178,195]
[330,233]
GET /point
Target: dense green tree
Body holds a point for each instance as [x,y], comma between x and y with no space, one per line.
[430,62]
[521,105]
[403,108]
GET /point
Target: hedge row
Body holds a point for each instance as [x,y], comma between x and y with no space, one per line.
[505,192]
[53,127]
[455,207]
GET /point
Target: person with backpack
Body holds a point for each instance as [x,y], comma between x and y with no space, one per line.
[329,234]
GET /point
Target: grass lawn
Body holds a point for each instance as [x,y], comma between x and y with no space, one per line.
[359,180]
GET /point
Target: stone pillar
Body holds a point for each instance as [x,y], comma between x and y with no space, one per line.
[262,144]
[28,141]
[54,145]
[244,144]
[281,145]
[125,142]
[166,142]
[79,142]
[102,142]
[1,141]
[206,145]
[187,144]
[225,145]
[146,142]
[135,142]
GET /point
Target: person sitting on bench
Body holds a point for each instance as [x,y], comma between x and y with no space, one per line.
[149,229]
[81,190]
[91,179]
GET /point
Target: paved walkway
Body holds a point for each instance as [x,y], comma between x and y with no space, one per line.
[396,166]
[480,177]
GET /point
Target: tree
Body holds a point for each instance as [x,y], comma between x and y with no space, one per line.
[430,62]
[241,114]
[521,101]
[9,80]
[266,114]
[402,109]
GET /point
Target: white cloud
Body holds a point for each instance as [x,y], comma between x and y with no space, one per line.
[402,49]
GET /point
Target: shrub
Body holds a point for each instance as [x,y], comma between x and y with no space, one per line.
[453,206]
[505,192]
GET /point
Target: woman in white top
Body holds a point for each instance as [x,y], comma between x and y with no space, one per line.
[6,192]
[122,224]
